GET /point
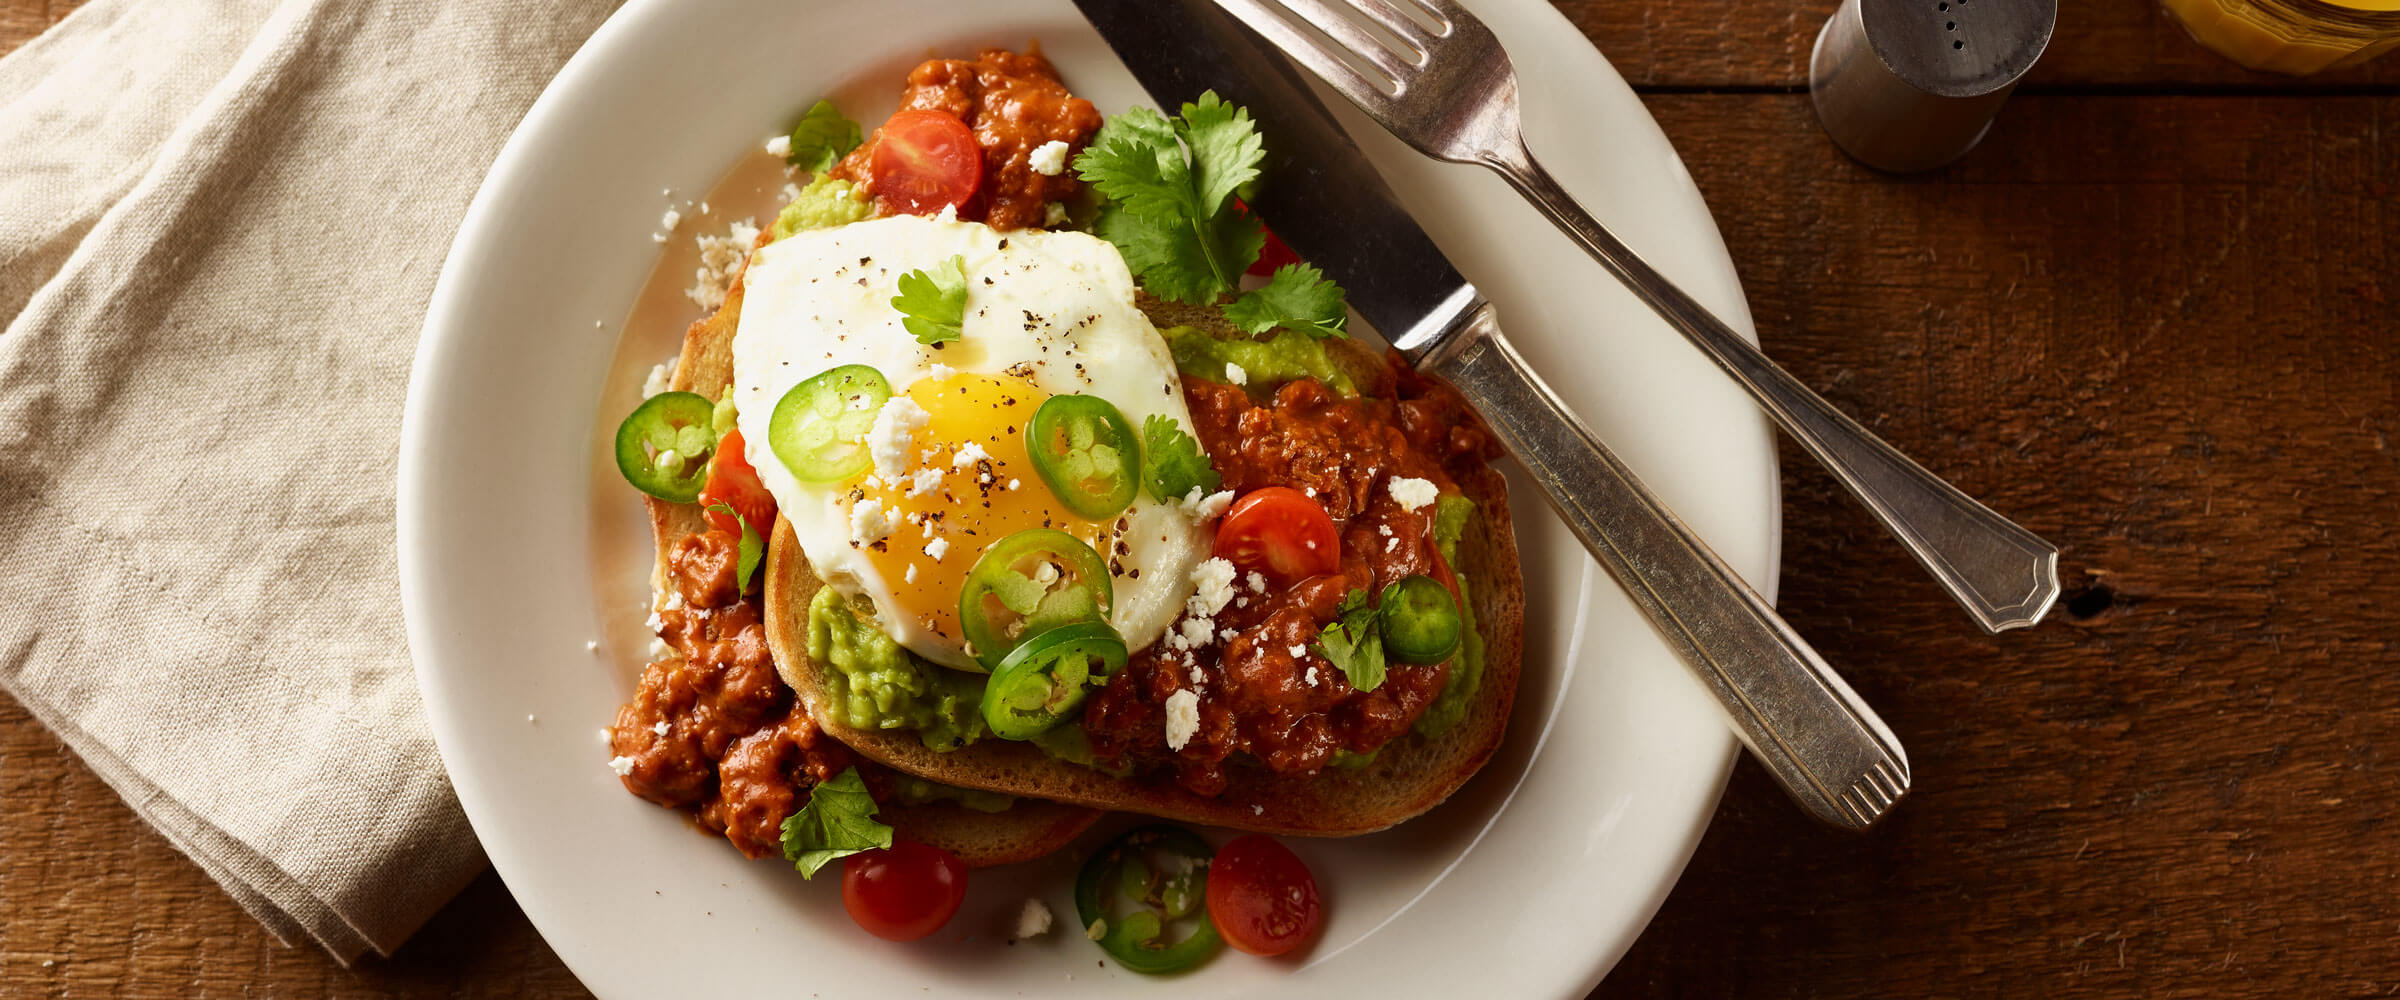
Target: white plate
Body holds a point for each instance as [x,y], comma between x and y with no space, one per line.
[1530,882]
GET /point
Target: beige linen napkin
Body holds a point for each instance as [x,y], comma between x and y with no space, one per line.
[220,222]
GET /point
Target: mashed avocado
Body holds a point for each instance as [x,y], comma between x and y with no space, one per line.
[1289,355]
[1449,708]
[875,684]
[911,790]
[825,203]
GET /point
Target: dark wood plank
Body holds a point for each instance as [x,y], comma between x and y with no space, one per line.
[2159,332]
[2112,43]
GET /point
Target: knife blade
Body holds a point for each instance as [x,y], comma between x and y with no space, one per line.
[1321,196]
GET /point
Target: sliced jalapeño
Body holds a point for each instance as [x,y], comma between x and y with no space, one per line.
[664,445]
[1163,871]
[1420,620]
[1027,584]
[1044,680]
[1087,454]
[819,428]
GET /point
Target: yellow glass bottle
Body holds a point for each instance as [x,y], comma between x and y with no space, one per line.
[2298,37]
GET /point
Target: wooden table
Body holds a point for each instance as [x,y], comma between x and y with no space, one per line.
[2153,318]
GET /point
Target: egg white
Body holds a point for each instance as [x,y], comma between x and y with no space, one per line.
[1056,308]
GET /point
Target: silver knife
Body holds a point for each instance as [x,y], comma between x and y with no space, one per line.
[1320,195]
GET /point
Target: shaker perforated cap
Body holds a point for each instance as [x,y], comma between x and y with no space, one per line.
[1907,85]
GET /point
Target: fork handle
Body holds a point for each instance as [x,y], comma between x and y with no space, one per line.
[1819,740]
[2005,576]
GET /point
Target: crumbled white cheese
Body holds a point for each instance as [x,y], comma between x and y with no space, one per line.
[1199,678]
[1183,718]
[670,220]
[925,481]
[1414,494]
[1226,635]
[1054,215]
[1311,677]
[1241,602]
[1197,632]
[940,371]
[658,649]
[1257,810]
[1048,159]
[662,378]
[895,428]
[1206,508]
[1212,581]
[868,523]
[1012,485]
[1257,581]
[621,764]
[1033,919]
[1390,544]
[969,454]
[1235,374]
[606,737]
[949,213]
[779,145]
[791,192]
[655,622]
[1296,651]
[911,575]
[1384,529]
[721,260]
[659,727]
[674,600]
[937,548]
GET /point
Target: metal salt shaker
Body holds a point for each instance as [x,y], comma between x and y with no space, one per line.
[1909,85]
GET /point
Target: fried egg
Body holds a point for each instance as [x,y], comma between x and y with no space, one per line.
[1047,313]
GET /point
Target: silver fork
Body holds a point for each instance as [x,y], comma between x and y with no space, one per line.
[1435,76]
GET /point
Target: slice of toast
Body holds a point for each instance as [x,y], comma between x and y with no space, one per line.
[1410,775]
[1026,830]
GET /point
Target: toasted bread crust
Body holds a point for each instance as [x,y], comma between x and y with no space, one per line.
[1411,774]
[1027,830]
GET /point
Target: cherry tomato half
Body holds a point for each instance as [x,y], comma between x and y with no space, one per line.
[1280,532]
[905,891]
[924,161]
[731,481]
[1261,896]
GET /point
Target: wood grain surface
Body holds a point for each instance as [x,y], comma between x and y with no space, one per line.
[2154,318]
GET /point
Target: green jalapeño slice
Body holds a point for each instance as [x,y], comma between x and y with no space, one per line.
[819,429]
[664,445]
[1083,448]
[1027,584]
[1420,621]
[1044,680]
[1163,872]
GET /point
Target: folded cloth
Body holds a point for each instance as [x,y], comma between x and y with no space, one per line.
[220,222]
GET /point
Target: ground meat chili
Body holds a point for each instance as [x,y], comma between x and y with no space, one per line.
[1014,103]
[738,749]
[1259,703]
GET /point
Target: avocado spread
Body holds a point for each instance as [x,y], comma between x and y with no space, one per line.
[825,203]
[910,790]
[875,684]
[1287,356]
[1450,514]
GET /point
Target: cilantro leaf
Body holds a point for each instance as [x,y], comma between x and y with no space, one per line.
[1226,150]
[933,303]
[1172,463]
[1297,297]
[822,138]
[838,821]
[1353,642]
[752,545]
[1169,185]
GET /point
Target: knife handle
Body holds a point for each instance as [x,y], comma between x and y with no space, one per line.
[1812,732]
[2003,575]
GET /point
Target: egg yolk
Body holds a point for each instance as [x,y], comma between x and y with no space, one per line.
[982,488]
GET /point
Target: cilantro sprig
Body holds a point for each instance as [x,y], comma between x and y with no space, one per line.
[1353,641]
[752,548]
[822,138]
[1172,463]
[838,821]
[1173,188]
[1297,297]
[933,303]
